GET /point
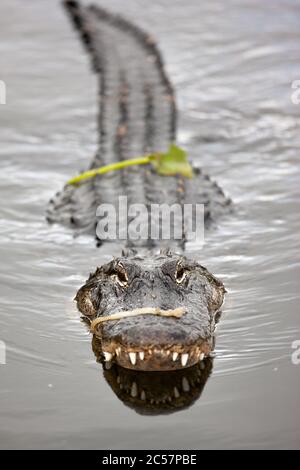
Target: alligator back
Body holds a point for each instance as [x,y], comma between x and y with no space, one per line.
[137,116]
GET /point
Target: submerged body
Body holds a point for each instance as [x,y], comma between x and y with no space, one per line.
[138,116]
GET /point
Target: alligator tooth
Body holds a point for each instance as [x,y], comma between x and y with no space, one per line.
[174,356]
[107,356]
[143,395]
[176,392]
[184,359]
[168,352]
[150,351]
[202,356]
[185,385]
[141,355]
[132,356]
[134,390]
[118,351]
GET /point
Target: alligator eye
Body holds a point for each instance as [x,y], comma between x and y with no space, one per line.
[120,275]
[180,273]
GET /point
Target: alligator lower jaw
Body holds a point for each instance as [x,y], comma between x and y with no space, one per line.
[155,358]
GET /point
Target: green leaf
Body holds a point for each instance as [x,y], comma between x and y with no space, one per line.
[174,162]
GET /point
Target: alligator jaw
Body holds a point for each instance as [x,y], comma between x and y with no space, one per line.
[154,358]
[158,392]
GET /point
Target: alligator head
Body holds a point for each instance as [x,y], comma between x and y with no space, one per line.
[166,281]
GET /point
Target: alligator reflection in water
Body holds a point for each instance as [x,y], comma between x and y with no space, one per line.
[154,393]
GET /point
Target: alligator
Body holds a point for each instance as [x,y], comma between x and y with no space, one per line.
[137,116]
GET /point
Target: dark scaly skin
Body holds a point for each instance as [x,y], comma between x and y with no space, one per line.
[138,116]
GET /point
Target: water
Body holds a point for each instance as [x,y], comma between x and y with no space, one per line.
[232,65]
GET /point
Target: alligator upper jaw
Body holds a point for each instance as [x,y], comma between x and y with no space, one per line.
[155,358]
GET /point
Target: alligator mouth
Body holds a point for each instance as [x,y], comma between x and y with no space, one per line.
[154,393]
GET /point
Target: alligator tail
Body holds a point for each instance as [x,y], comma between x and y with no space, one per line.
[136,97]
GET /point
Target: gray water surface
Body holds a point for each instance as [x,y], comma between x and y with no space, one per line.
[232,64]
